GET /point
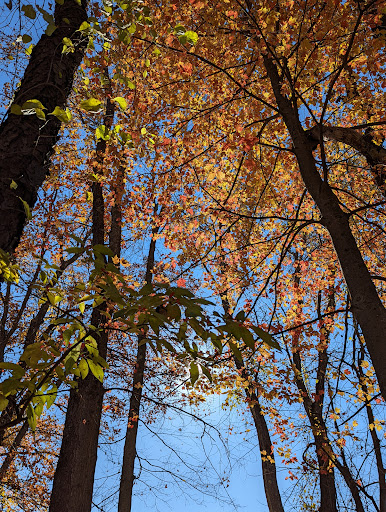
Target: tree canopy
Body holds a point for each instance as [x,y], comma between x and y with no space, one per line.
[192,204]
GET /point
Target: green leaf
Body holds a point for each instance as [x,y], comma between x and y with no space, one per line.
[173,312]
[193,310]
[75,250]
[10,386]
[85,27]
[31,417]
[16,109]
[91,105]
[68,45]
[40,114]
[168,345]
[54,299]
[179,30]
[103,249]
[102,132]
[3,402]
[154,324]
[121,102]
[29,11]
[124,36]
[33,104]
[96,370]
[143,131]
[236,351]
[191,37]
[182,292]
[83,368]
[63,115]
[13,185]
[267,338]
[194,373]
[207,373]
[51,396]
[26,208]
[16,369]
[50,29]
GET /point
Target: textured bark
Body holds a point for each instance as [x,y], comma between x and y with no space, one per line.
[26,142]
[366,305]
[374,154]
[353,138]
[74,476]
[129,451]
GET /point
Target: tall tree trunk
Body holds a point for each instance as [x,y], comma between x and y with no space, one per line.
[314,408]
[376,442]
[314,411]
[366,305]
[268,464]
[74,476]
[129,451]
[26,142]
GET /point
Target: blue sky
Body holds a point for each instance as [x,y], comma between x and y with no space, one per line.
[204,456]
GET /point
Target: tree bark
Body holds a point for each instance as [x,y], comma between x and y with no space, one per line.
[129,451]
[268,465]
[26,142]
[374,154]
[74,476]
[366,305]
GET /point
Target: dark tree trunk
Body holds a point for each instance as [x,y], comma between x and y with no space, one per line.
[74,476]
[314,412]
[376,442]
[374,154]
[314,407]
[129,451]
[268,465]
[366,305]
[26,142]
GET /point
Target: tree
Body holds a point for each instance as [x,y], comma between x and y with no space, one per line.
[256,129]
[27,141]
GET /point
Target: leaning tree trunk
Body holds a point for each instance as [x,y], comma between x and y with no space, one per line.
[74,476]
[366,305]
[26,142]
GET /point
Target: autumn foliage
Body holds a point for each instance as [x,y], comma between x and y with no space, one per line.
[209,221]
